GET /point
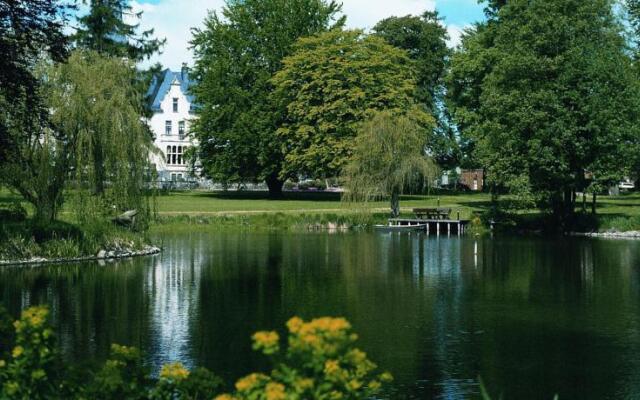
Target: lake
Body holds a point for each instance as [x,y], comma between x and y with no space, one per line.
[532,316]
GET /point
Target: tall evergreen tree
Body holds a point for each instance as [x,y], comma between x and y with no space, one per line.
[105,31]
[28,29]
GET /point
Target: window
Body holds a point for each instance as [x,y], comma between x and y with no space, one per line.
[181,129]
[173,177]
[175,155]
[167,128]
[175,104]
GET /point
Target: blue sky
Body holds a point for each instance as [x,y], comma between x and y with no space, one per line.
[173,19]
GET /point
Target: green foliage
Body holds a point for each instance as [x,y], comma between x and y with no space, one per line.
[425,38]
[546,92]
[122,377]
[105,31]
[25,241]
[29,30]
[388,157]
[85,130]
[320,362]
[236,55]
[32,372]
[330,84]
[103,118]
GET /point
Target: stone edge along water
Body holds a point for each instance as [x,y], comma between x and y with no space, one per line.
[102,255]
[610,234]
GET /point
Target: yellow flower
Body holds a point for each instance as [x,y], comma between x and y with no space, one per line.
[249,382]
[355,384]
[335,395]
[303,384]
[17,351]
[275,391]
[386,377]
[331,367]
[294,324]
[175,371]
[374,385]
[224,397]
[266,339]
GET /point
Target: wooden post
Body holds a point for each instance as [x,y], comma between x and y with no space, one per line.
[427,228]
[438,228]
[458,228]
[448,229]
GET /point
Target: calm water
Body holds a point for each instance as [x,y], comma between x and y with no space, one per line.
[532,316]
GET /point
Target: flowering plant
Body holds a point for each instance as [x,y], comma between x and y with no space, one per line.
[320,362]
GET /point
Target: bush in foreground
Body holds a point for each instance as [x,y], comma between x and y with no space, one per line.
[320,362]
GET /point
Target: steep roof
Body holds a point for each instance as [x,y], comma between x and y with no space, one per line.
[161,84]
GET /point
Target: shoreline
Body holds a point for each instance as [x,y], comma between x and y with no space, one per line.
[102,255]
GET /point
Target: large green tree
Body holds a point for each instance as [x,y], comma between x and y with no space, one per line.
[105,30]
[28,30]
[331,84]
[546,91]
[425,38]
[236,54]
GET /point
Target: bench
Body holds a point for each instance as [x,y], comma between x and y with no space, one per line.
[432,213]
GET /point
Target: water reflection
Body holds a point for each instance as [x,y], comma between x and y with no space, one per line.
[533,316]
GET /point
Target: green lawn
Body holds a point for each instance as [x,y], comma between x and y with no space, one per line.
[195,203]
[258,202]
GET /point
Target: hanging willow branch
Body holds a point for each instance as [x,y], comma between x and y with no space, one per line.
[94,101]
[388,158]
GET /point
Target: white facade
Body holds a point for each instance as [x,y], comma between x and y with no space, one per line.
[173,114]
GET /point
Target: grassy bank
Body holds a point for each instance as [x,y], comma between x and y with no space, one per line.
[21,240]
[181,210]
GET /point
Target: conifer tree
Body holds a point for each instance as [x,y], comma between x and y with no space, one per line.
[104,30]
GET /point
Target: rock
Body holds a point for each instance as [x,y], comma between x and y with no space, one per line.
[101,254]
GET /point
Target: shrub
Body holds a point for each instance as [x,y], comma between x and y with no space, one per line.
[320,362]
[14,212]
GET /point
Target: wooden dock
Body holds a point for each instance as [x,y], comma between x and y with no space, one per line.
[434,226]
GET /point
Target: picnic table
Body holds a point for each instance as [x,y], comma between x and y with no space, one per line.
[432,213]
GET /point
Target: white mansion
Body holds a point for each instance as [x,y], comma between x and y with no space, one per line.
[172,108]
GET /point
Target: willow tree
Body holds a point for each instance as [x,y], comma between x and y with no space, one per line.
[103,117]
[84,125]
[389,156]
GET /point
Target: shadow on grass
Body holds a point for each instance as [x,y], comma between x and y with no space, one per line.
[264,195]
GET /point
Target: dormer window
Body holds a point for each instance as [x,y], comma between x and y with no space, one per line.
[175,104]
[167,128]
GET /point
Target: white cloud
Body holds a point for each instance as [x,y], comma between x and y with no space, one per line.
[366,13]
[455,34]
[173,19]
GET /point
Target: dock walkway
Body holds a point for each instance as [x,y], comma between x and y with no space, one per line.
[434,226]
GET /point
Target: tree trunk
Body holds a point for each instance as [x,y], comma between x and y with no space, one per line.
[593,203]
[274,183]
[395,204]
[584,201]
[45,212]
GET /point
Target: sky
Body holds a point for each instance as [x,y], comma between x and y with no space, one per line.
[173,19]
